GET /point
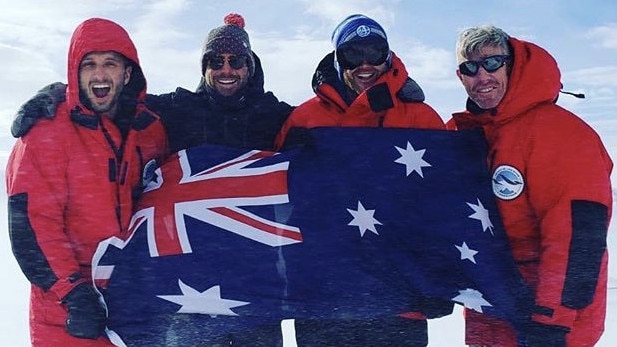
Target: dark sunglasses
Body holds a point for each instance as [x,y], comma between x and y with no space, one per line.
[351,56]
[490,64]
[236,62]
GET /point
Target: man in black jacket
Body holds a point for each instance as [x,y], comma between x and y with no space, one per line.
[230,106]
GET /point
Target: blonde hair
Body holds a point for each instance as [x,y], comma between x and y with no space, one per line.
[472,40]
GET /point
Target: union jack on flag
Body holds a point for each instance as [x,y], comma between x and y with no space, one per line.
[358,223]
[203,193]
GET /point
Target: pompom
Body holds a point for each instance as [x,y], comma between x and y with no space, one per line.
[234,19]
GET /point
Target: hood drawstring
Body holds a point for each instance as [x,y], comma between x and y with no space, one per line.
[576,95]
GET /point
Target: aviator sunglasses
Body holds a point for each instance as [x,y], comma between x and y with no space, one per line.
[351,56]
[490,64]
[236,62]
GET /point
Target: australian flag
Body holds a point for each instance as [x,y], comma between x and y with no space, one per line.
[357,223]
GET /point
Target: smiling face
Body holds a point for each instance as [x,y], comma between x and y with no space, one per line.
[227,81]
[486,89]
[364,76]
[102,77]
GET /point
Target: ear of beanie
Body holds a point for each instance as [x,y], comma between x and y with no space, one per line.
[229,38]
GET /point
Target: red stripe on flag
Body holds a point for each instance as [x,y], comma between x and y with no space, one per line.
[271,229]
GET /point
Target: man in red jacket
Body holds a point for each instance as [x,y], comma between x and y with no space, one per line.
[71,182]
[362,83]
[551,177]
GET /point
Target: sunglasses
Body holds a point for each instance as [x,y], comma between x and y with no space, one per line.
[490,64]
[236,62]
[351,56]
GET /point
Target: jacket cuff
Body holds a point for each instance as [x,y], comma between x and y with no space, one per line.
[65,285]
[558,316]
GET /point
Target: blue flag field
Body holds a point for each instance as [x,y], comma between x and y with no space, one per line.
[358,223]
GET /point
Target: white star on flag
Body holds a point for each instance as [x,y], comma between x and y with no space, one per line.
[363,219]
[412,159]
[466,252]
[480,213]
[207,302]
[471,299]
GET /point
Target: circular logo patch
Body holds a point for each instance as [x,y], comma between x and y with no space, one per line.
[363,31]
[508,183]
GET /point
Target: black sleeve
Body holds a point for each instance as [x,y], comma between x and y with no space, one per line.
[29,255]
[160,104]
[587,247]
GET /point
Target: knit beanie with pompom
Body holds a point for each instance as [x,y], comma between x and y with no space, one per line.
[228,39]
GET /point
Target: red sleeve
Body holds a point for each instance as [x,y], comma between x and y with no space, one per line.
[282,135]
[37,189]
[417,115]
[569,184]
[298,118]
[430,119]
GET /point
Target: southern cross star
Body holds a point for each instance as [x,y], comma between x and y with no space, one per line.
[412,159]
[467,253]
[480,213]
[363,219]
[471,299]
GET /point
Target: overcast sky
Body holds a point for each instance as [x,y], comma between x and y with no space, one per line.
[291,37]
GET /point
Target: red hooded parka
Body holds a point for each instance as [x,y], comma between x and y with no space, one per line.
[71,182]
[551,175]
[378,106]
